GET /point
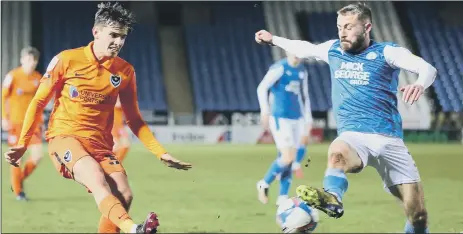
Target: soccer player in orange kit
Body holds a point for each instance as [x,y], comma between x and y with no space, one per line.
[86,82]
[19,88]
[120,135]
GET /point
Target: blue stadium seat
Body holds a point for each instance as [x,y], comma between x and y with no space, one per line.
[68,25]
[440,44]
[228,63]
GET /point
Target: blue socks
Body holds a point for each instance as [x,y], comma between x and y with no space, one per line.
[335,181]
[285,181]
[410,229]
[275,169]
[300,154]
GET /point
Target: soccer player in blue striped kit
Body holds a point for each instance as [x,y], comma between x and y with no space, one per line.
[288,115]
[364,76]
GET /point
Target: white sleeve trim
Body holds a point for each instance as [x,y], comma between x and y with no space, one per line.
[272,76]
[304,49]
[399,57]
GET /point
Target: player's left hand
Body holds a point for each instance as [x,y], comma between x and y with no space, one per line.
[411,93]
[14,154]
[170,161]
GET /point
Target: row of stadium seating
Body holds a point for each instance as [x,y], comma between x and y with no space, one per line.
[441,45]
[68,25]
[225,64]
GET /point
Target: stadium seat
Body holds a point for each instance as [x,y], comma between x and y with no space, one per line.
[228,63]
[441,42]
[69,25]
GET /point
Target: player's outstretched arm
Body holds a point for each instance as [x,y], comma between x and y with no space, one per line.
[301,49]
[402,58]
[129,102]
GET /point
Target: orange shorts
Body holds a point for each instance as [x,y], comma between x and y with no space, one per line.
[15,132]
[65,151]
[119,132]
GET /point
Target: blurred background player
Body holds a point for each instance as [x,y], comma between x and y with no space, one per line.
[120,135]
[19,88]
[288,117]
[87,82]
[365,83]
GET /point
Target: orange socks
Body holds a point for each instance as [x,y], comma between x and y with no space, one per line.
[16,180]
[106,226]
[28,169]
[121,153]
[112,209]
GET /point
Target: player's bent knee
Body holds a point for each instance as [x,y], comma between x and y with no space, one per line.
[36,153]
[337,155]
[288,155]
[342,156]
[128,196]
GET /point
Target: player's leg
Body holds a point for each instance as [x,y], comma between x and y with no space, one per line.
[122,144]
[346,154]
[412,197]
[15,172]
[302,148]
[284,140]
[120,188]
[400,175]
[74,161]
[285,184]
[36,154]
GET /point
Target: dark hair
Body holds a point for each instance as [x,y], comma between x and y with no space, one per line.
[29,50]
[114,13]
[360,9]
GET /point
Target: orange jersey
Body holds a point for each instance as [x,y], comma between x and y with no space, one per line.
[18,90]
[118,116]
[85,93]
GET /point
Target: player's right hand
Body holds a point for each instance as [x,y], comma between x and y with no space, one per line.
[170,161]
[5,125]
[14,154]
[264,121]
[264,37]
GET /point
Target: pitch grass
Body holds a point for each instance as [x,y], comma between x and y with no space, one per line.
[219,194]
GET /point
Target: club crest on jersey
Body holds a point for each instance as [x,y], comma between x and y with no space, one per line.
[73,93]
[371,56]
[115,80]
[67,156]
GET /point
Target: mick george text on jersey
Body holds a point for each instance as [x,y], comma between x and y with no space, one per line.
[354,72]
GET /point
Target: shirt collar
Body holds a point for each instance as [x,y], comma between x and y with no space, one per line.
[88,50]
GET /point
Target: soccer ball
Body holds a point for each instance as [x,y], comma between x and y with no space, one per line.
[295,216]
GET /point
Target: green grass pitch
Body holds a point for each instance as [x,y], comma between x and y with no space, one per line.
[219,194]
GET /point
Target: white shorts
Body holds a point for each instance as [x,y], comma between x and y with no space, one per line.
[287,132]
[388,155]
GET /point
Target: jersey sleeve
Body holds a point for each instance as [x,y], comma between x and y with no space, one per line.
[307,106]
[129,102]
[272,76]
[48,84]
[6,92]
[304,49]
[402,58]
